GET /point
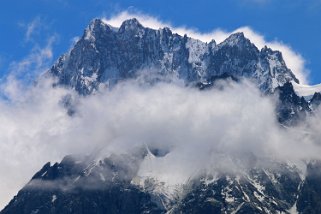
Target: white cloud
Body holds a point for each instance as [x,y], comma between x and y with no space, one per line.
[293,59]
[201,129]
[22,151]
[22,73]
[32,28]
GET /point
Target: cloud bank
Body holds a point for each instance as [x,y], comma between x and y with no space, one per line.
[293,59]
[200,129]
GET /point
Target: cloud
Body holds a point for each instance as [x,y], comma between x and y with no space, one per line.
[23,73]
[202,130]
[22,132]
[32,28]
[17,89]
[293,59]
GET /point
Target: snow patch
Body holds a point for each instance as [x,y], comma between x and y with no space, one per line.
[196,50]
[258,196]
[89,168]
[260,188]
[76,179]
[238,208]
[209,179]
[293,209]
[102,177]
[54,198]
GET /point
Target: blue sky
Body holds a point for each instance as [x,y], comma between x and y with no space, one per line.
[41,30]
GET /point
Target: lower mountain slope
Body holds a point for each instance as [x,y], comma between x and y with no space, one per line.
[112,185]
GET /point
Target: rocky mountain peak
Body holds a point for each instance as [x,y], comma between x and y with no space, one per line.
[268,52]
[117,54]
[96,29]
[238,40]
[131,25]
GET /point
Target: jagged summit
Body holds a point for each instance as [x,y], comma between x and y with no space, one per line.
[130,24]
[106,55]
[95,29]
[238,39]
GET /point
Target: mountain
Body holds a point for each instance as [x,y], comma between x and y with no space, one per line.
[106,55]
[111,185]
[82,186]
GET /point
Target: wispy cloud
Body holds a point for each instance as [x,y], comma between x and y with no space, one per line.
[31,28]
[22,73]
